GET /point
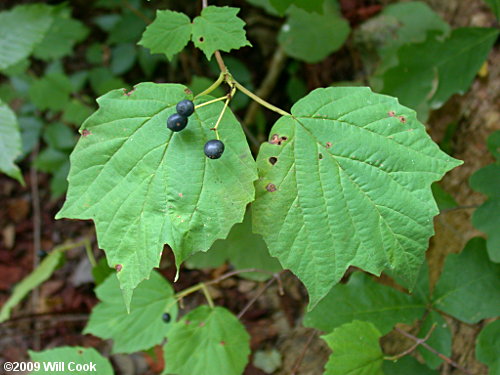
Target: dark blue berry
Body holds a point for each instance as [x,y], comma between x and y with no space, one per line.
[177,122]
[214,149]
[185,108]
[41,253]
[166,317]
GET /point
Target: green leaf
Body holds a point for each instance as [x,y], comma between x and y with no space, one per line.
[51,92]
[494,144]
[31,128]
[50,160]
[308,5]
[153,198]
[110,320]
[103,80]
[169,33]
[444,200]
[487,220]
[123,58]
[37,277]
[59,182]
[356,350]
[243,249]
[71,356]
[364,299]
[62,36]
[488,347]
[20,30]
[432,71]
[101,271]
[469,286]
[10,143]
[59,136]
[487,180]
[313,44]
[407,366]
[218,28]
[346,181]
[128,29]
[440,339]
[495,7]
[76,112]
[220,344]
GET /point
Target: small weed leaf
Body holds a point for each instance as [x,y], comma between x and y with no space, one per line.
[219,340]
[366,203]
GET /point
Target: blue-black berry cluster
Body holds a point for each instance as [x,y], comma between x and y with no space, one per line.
[179,120]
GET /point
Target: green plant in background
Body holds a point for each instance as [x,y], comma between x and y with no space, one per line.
[343,180]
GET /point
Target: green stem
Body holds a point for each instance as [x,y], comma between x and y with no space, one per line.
[90,254]
[207,295]
[211,101]
[259,100]
[213,86]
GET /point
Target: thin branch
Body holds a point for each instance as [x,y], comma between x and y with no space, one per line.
[256,297]
[37,234]
[299,360]
[268,84]
[432,350]
[136,11]
[261,101]
[413,347]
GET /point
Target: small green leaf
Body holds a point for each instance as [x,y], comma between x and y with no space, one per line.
[488,347]
[356,350]
[123,58]
[10,142]
[495,7]
[50,160]
[487,180]
[128,29]
[38,276]
[469,286]
[444,200]
[20,30]
[51,92]
[313,44]
[73,358]
[407,366]
[103,80]
[494,144]
[440,338]
[59,136]
[346,181]
[243,249]
[110,320]
[308,5]
[364,299]
[76,112]
[432,71]
[487,220]
[220,343]
[153,198]
[169,33]
[31,128]
[218,28]
[101,271]
[62,36]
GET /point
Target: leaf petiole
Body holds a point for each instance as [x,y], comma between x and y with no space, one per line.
[213,86]
[211,101]
[259,100]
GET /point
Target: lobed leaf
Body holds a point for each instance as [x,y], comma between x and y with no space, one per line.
[218,28]
[169,33]
[208,341]
[345,180]
[110,320]
[10,142]
[488,347]
[144,186]
[356,350]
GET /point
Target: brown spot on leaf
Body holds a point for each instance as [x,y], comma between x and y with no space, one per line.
[201,39]
[127,92]
[80,351]
[222,343]
[402,119]
[188,322]
[320,156]
[188,91]
[273,160]
[86,132]
[181,195]
[277,140]
[328,144]
[271,188]
[391,113]
[118,267]
[202,324]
